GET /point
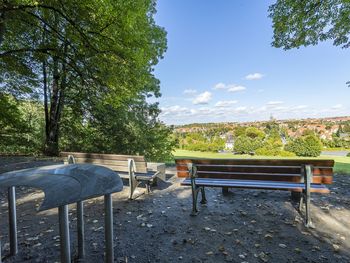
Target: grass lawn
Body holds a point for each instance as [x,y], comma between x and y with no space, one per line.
[342,164]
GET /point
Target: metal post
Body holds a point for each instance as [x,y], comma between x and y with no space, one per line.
[12,220]
[64,234]
[224,191]
[204,199]
[109,228]
[80,226]
[308,179]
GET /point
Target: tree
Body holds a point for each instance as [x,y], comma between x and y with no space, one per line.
[309,145]
[71,54]
[302,23]
[253,132]
[246,145]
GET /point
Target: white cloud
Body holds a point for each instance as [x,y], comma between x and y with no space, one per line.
[274,103]
[225,103]
[300,107]
[202,98]
[337,107]
[174,110]
[254,76]
[235,88]
[220,85]
[190,91]
[241,109]
[229,87]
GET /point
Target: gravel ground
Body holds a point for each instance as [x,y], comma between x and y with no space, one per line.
[245,226]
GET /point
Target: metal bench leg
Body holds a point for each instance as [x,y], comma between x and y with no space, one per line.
[12,220]
[204,199]
[225,191]
[64,234]
[109,228]
[148,187]
[133,183]
[80,226]
[195,192]
[301,202]
[308,178]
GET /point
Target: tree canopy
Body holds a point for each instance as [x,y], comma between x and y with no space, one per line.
[87,62]
[301,23]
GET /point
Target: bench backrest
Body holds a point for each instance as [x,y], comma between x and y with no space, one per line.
[114,162]
[289,170]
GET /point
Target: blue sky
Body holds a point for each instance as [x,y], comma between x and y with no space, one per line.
[220,67]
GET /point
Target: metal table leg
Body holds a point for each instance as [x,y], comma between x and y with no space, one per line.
[64,234]
[80,225]
[109,228]
[12,220]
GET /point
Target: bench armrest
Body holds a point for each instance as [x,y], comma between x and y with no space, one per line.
[157,167]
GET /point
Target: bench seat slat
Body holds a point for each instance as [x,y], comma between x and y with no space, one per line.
[247,174]
[273,185]
[140,176]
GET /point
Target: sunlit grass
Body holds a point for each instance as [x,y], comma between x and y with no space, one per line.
[342,164]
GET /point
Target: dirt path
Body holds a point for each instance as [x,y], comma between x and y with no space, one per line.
[245,226]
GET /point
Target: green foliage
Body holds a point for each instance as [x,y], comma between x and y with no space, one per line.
[91,65]
[21,129]
[307,132]
[303,23]
[199,142]
[246,145]
[348,154]
[239,131]
[265,151]
[309,145]
[131,128]
[253,132]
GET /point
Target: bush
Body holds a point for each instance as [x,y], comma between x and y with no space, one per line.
[267,150]
[348,154]
[245,145]
[310,146]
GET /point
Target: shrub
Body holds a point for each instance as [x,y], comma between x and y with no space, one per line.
[310,146]
[348,154]
[267,150]
[245,145]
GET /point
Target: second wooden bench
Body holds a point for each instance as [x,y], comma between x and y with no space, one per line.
[300,176]
[131,167]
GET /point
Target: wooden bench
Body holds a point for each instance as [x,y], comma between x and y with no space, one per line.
[300,176]
[131,167]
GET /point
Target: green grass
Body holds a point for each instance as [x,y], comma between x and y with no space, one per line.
[342,164]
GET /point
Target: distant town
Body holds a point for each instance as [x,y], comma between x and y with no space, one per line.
[333,132]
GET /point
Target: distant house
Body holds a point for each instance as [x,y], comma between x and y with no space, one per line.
[229,144]
[344,136]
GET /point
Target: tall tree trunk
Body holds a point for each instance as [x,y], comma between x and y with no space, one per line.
[46,105]
[52,125]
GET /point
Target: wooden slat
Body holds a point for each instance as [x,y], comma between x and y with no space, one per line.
[268,185]
[140,166]
[257,168]
[279,162]
[117,157]
[111,161]
[316,179]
